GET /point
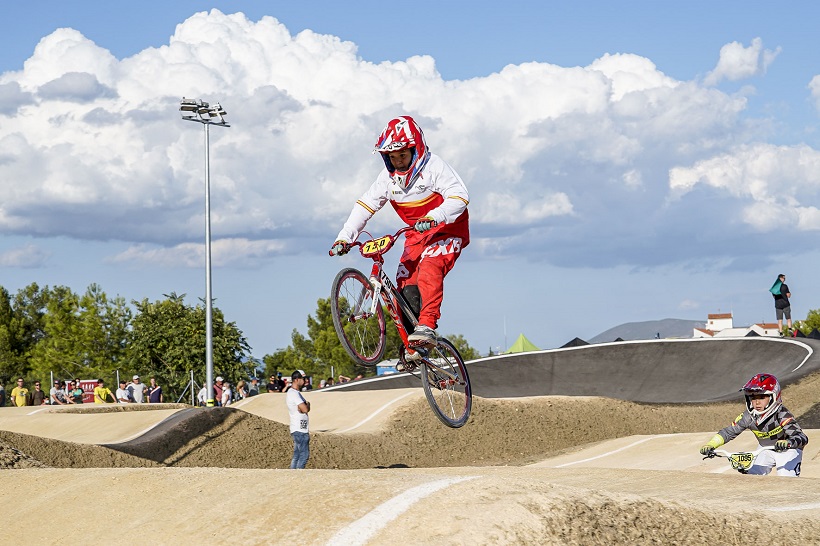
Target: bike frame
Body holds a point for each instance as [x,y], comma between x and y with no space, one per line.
[392,298]
[444,376]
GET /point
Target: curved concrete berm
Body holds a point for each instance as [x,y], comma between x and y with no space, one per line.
[664,371]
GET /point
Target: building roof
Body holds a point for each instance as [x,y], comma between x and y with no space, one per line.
[719,316]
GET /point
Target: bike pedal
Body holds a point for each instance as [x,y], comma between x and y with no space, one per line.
[406,367]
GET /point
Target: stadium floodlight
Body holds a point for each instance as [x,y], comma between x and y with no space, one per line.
[202,112]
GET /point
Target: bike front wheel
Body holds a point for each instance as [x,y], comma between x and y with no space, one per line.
[447,385]
[360,328]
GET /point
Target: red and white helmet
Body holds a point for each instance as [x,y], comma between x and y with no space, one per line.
[403,132]
[763,383]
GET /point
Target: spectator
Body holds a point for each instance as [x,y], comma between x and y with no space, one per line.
[202,396]
[122,393]
[782,305]
[75,392]
[298,409]
[38,395]
[69,386]
[308,386]
[62,394]
[343,378]
[241,390]
[137,390]
[154,392]
[322,384]
[227,396]
[329,382]
[218,390]
[19,394]
[52,394]
[2,395]
[253,389]
[103,394]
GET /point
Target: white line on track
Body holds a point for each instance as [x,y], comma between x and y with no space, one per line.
[614,451]
[375,413]
[363,529]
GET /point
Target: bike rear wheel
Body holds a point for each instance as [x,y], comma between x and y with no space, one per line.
[447,385]
[360,330]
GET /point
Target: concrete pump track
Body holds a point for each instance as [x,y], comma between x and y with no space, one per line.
[586,445]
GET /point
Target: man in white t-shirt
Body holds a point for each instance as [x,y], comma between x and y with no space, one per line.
[298,409]
[122,394]
[137,390]
[53,394]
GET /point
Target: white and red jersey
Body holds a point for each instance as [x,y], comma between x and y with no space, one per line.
[438,192]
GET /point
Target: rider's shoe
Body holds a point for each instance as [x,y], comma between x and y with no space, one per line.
[410,362]
[422,336]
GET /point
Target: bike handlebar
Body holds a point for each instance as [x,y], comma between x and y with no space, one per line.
[391,238]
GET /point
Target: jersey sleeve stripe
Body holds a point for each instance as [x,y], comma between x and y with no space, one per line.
[459,197]
[368,209]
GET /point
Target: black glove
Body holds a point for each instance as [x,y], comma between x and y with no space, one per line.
[339,248]
[782,445]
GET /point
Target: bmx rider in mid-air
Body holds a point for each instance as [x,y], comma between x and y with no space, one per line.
[428,194]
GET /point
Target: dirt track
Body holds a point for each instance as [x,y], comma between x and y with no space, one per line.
[226,475]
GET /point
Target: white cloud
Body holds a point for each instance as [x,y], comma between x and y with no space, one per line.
[772,183]
[688,305]
[224,252]
[814,87]
[581,160]
[28,256]
[738,62]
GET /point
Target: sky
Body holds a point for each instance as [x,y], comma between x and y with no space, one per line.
[626,162]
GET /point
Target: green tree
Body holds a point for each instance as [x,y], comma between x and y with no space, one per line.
[83,337]
[22,326]
[10,358]
[168,340]
[812,321]
[464,348]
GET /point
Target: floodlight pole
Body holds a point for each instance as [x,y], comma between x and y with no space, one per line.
[197,110]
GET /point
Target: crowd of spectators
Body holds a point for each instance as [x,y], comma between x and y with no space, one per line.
[72,391]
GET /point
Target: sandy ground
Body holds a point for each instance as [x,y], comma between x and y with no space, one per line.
[383,470]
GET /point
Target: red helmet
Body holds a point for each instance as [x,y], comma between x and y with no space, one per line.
[763,383]
[403,132]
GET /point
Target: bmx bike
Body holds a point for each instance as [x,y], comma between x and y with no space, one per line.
[741,461]
[358,304]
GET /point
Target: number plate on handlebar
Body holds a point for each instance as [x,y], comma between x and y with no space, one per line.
[742,460]
[376,246]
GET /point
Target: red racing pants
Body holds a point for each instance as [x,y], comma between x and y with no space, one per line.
[427,269]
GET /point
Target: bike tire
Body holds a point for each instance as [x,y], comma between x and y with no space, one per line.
[447,384]
[361,333]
